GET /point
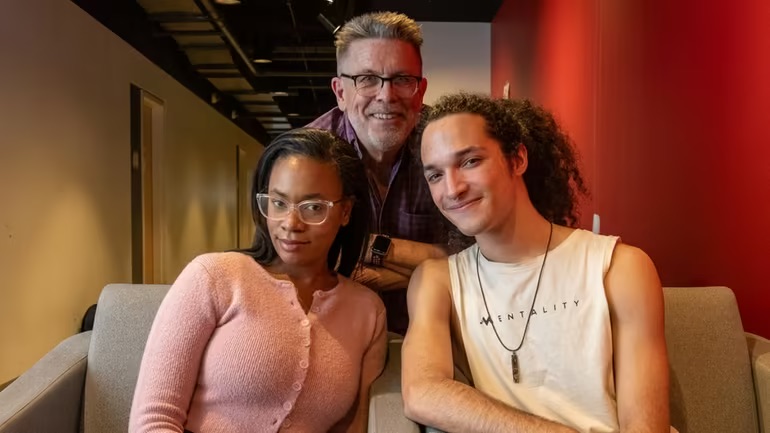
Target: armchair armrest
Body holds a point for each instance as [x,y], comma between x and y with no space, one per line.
[47,397]
[759,351]
[386,406]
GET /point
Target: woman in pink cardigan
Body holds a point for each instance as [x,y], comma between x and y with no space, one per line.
[275,337]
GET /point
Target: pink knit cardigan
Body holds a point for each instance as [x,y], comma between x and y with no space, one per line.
[231,350]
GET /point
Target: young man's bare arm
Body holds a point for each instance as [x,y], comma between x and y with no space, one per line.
[431,395]
[641,363]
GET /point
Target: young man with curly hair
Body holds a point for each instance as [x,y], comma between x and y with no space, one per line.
[557,328]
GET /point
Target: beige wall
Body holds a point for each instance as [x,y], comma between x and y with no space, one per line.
[65,225]
[456,56]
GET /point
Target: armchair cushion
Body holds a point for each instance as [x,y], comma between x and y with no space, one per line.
[386,406]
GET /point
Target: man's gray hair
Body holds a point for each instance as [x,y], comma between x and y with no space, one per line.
[378,25]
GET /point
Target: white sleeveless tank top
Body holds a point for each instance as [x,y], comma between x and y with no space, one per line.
[565,362]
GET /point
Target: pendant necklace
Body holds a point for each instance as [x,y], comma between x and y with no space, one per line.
[514,357]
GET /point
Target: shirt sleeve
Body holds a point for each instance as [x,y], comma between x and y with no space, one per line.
[179,335]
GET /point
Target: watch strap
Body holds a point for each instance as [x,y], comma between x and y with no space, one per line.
[376,259]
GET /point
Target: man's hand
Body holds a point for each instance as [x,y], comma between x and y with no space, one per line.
[405,255]
[380,279]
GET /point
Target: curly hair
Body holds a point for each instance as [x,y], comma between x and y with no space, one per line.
[552,178]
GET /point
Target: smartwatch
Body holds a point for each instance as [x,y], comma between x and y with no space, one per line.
[380,248]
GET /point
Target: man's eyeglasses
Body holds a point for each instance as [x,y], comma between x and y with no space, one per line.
[312,212]
[369,85]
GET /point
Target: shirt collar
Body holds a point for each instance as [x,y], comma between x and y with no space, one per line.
[349,134]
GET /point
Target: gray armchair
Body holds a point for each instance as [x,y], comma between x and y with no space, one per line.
[720,376]
[86,383]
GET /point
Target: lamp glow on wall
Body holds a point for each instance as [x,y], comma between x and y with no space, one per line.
[263,50]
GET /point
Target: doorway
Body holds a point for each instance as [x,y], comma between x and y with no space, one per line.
[147,125]
[244,220]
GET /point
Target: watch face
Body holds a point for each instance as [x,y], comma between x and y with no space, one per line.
[381,244]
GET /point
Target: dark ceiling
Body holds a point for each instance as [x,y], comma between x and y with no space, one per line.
[265,63]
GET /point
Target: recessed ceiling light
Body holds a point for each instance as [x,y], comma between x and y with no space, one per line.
[279,94]
[262,61]
[228,2]
[293,115]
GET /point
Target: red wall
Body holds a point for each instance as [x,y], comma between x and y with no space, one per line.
[546,51]
[669,104]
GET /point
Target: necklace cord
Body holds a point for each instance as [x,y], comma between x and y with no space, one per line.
[534,298]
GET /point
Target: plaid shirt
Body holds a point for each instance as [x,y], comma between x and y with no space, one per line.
[408,211]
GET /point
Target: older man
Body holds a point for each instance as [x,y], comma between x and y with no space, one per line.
[379,89]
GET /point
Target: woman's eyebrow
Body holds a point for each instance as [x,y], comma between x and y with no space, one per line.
[310,196]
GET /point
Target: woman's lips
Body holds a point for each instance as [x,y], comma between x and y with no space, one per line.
[291,245]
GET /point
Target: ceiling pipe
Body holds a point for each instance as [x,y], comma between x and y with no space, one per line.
[328,24]
[299,42]
[219,23]
[304,50]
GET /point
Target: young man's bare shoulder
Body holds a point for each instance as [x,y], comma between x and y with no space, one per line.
[632,277]
[629,259]
[432,273]
[437,265]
